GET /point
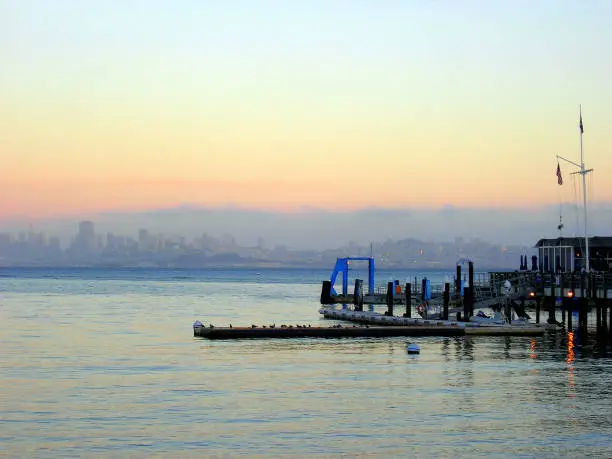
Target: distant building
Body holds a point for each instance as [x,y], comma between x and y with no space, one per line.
[55,243]
[144,240]
[567,254]
[85,240]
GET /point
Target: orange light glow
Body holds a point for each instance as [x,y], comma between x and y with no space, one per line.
[570,347]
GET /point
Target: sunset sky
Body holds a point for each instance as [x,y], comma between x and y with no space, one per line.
[285,105]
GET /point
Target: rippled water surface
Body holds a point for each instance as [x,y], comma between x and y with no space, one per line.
[102,363]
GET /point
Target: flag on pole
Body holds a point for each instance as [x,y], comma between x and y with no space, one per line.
[559,177]
[581,128]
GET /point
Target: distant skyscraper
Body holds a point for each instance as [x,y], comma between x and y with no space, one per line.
[86,229]
[86,238]
[144,239]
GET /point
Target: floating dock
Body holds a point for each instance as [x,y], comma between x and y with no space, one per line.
[355,331]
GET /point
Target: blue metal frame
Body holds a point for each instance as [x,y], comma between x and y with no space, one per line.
[342,267]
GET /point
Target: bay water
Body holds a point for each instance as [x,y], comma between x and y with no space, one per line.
[103,363]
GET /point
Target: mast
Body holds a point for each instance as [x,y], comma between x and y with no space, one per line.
[582,172]
[584,196]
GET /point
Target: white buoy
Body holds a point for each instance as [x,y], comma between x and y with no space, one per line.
[414,348]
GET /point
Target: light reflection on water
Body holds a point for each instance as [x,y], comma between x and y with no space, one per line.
[110,367]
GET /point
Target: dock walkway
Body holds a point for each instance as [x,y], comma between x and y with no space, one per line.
[225,333]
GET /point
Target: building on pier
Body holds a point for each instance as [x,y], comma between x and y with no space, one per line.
[566,254]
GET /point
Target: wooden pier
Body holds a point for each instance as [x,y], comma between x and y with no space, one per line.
[512,290]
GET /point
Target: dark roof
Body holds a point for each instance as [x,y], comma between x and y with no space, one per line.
[594,242]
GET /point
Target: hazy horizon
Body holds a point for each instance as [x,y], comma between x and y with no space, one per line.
[320,229]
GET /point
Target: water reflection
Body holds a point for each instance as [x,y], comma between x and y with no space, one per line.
[570,363]
[507,347]
[468,348]
[445,349]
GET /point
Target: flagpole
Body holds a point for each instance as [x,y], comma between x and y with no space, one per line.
[582,171]
[584,196]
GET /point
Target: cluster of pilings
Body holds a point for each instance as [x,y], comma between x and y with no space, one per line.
[467,299]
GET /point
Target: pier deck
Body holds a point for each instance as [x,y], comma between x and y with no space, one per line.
[224,333]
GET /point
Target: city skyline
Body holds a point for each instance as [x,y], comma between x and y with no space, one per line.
[319,230]
[87,247]
[277,106]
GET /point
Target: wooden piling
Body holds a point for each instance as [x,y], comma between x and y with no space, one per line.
[458,284]
[563,315]
[552,302]
[582,313]
[610,326]
[408,296]
[358,295]
[446,301]
[390,291]
[605,303]
[466,305]
[471,282]
[597,316]
[326,297]
[584,303]
[562,284]
[423,290]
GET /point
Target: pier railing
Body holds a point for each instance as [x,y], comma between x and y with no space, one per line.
[593,285]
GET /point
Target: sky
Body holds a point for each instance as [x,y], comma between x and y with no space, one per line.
[286,106]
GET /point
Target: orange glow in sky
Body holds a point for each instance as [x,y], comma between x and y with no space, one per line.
[152,106]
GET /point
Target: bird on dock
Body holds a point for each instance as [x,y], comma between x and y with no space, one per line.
[283,326]
[230,326]
[253,326]
[273,326]
[211,326]
[263,326]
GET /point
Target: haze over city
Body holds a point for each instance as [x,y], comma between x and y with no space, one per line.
[311,125]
